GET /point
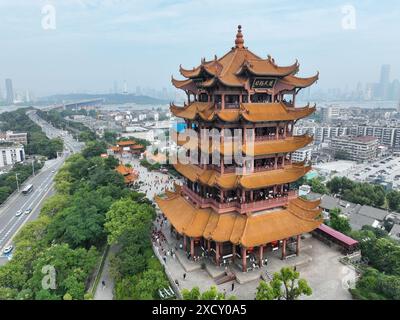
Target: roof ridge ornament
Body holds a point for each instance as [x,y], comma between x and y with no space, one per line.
[239,42]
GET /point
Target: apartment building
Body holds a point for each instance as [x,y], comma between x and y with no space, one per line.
[362,148]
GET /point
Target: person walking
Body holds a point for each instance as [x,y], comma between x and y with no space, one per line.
[233,286]
[103,283]
[184,276]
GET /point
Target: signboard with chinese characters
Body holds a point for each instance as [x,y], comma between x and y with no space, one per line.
[263,83]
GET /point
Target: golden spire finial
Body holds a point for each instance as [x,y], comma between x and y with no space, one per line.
[239,42]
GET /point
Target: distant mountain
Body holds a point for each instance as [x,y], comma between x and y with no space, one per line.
[108,99]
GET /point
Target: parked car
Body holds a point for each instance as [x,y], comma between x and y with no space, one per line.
[19,212]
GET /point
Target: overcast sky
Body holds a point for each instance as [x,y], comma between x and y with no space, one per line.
[98,41]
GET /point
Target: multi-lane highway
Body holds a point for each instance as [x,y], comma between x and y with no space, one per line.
[10,222]
[70,143]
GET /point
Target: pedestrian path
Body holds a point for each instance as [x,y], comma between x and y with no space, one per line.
[105,288]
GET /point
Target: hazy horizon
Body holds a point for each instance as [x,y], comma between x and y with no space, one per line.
[96,42]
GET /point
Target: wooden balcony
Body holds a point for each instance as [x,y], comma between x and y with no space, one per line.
[241,208]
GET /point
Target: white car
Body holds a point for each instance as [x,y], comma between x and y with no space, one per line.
[8,249]
[19,212]
[28,211]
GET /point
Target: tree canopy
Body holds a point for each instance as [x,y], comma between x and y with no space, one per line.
[285,285]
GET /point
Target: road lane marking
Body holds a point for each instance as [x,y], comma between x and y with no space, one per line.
[28,216]
[9,202]
[33,197]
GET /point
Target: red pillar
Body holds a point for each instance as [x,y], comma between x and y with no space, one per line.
[233,252]
[208,246]
[244,260]
[217,253]
[284,249]
[298,245]
[184,243]
[192,247]
[261,257]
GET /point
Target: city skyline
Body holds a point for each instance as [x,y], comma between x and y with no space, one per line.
[96,42]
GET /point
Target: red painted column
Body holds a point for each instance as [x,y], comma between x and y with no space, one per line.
[244,260]
[261,256]
[233,252]
[217,253]
[192,247]
[184,243]
[298,245]
[209,246]
[284,249]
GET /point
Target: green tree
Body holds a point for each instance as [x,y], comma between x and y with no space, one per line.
[8,293]
[210,294]
[110,136]
[55,204]
[125,213]
[73,267]
[374,285]
[318,187]
[67,296]
[339,222]
[94,149]
[148,284]
[285,285]
[393,198]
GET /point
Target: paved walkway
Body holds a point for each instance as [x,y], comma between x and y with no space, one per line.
[153,184]
[106,292]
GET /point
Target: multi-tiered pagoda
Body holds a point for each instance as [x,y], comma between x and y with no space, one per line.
[230,215]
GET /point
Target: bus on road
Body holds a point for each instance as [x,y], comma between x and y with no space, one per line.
[28,189]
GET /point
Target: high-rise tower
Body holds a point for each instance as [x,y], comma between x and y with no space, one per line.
[236,211]
[9,92]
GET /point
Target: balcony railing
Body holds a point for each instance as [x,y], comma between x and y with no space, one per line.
[270,137]
[261,169]
[236,205]
[232,105]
